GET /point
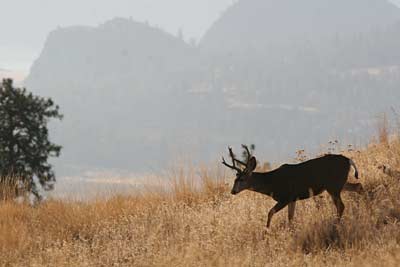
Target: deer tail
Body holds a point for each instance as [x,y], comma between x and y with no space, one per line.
[355,168]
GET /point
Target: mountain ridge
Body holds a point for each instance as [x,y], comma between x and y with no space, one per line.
[135,97]
[259,22]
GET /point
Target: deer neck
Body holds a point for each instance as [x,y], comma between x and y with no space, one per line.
[261,183]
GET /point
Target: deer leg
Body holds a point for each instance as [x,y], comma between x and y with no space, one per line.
[291,207]
[358,188]
[337,200]
[275,209]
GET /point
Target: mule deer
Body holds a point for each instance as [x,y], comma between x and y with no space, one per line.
[292,182]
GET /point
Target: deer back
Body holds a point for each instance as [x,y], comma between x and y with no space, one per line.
[303,180]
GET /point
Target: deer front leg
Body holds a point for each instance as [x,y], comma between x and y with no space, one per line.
[291,208]
[275,209]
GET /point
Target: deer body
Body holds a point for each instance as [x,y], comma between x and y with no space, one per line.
[292,182]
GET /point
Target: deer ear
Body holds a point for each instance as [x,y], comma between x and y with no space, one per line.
[251,164]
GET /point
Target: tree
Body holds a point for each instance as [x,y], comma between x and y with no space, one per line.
[24,138]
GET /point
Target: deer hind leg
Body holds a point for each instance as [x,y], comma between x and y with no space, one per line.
[358,188]
[337,200]
[291,208]
[275,209]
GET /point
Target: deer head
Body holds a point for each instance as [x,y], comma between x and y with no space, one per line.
[242,180]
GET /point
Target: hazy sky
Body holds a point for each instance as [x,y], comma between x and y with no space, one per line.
[24,24]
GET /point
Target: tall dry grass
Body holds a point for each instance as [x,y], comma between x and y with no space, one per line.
[11,187]
[198,223]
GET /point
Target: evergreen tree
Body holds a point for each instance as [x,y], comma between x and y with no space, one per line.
[24,138]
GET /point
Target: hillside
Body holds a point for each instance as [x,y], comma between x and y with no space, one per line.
[135,97]
[120,49]
[206,226]
[115,83]
[256,24]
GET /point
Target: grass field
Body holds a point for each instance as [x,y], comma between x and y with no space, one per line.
[203,225]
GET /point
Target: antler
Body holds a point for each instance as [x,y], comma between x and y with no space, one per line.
[248,157]
[233,166]
[241,162]
[248,153]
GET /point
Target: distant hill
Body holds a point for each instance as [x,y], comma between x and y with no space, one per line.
[284,75]
[256,24]
[121,49]
[113,83]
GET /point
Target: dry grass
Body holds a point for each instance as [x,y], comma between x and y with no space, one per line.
[383,129]
[11,188]
[197,223]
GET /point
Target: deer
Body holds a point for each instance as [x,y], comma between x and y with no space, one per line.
[292,182]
